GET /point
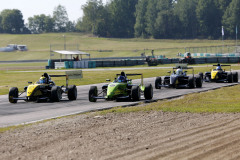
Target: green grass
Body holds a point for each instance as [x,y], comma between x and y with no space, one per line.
[20,79]
[224,100]
[39,45]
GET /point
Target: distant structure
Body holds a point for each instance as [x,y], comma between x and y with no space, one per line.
[13,47]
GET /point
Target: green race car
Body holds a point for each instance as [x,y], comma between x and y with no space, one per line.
[122,88]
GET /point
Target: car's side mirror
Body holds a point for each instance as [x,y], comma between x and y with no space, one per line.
[29,82]
[108,80]
[169,72]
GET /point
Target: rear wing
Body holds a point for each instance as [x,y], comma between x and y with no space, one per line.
[76,74]
[225,65]
[135,74]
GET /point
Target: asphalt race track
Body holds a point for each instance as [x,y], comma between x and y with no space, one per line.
[28,112]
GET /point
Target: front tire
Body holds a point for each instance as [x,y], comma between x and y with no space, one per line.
[148,92]
[93,92]
[135,93]
[13,93]
[56,94]
[191,82]
[199,81]
[72,92]
[158,82]
[235,77]
[229,77]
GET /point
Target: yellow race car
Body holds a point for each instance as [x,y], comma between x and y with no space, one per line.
[44,90]
[219,74]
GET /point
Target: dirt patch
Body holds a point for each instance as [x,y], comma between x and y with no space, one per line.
[141,135]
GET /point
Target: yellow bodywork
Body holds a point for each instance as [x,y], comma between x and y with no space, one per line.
[214,74]
[33,90]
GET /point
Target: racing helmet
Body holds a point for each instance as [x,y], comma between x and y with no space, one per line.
[179,71]
[218,68]
[42,80]
[121,78]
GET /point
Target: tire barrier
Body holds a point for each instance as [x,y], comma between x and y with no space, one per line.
[131,62]
[93,64]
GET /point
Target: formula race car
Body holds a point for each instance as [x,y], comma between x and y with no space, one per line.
[179,78]
[221,75]
[46,90]
[121,88]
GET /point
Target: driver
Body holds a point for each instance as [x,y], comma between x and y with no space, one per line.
[43,80]
[179,71]
[122,77]
[218,67]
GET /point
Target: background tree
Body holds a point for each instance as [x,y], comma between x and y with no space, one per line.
[41,23]
[141,24]
[60,17]
[231,18]
[12,21]
[185,11]
[209,19]
[122,18]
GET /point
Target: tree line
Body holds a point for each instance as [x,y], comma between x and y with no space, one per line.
[136,18]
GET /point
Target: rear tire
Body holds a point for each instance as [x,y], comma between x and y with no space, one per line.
[56,94]
[135,93]
[13,93]
[72,92]
[93,92]
[148,92]
[199,81]
[158,82]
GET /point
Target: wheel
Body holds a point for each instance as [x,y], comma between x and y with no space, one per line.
[158,82]
[201,75]
[93,92]
[135,92]
[13,93]
[191,82]
[56,94]
[72,92]
[235,77]
[199,81]
[229,77]
[148,92]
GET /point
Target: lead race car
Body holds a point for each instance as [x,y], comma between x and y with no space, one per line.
[122,88]
[46,90]
[180,79]
[221,75]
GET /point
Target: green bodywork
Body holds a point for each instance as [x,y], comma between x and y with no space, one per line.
[116,89]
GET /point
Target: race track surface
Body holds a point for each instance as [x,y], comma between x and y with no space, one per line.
[27,112]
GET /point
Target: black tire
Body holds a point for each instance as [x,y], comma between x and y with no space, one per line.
[201,75]
[93,92]
[158,82]
[72,92]
[135,93]
[191,82]
[199,81]
[235,77]
[56,94]
[13,93]
[229,77]
[148,92]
